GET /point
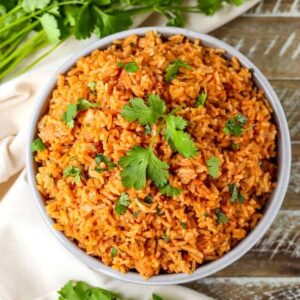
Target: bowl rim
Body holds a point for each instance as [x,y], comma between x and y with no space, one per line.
[271,209]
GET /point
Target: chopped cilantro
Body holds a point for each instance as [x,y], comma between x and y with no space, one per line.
[183,225]
[100,170]
[148,200]
[166,238]
[213,166]
[201,100]
[131,67]
[206,214]
[136,214]
[99,158]
[234,126]
[120,64]
[221,217]
[235,194]
[173,69]
[37,145]
[235,146]
[137,110]
[73,172]
[122,204]
[114,251]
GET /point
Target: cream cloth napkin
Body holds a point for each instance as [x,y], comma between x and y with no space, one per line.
[33,264]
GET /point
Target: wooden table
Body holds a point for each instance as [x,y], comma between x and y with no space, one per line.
[269,35]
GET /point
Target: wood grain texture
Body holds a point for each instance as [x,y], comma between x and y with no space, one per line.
[269,35]
[272,43]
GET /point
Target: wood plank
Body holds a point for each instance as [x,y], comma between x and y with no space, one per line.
[249,288]
[284,8]
[276,254]
[273,44]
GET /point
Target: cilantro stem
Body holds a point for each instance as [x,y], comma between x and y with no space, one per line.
[11,12]
[36,13]
[159,127]
[25,30]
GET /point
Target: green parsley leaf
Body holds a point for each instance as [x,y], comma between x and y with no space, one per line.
[83,291]
[144,114]
[183,225]
[99,158]
[114,251]
[221,217]
[92,86]
[141,162]
[234,126]
[173,69]
[213,166]
[122,204]
[50,26]
[86,22]
[69,115]
[179,140]
[148,200]
[37,145]
[169,190]
[73,172]
[235,194]
[201,100]
[166,238]
[156,297]
[131,67]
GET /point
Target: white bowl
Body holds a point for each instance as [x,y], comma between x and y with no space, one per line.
[270,211]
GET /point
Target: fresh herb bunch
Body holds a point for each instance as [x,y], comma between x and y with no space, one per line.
[29,25]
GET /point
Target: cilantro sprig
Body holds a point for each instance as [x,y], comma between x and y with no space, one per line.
[174,68]
[213,166]
[37,145]
[141,163]
[122,204]
[28,25]
[236,196]
[74,172]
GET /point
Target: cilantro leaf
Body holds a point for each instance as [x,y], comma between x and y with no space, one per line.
[144,114]
[173,69]
[234,126]
[131,67]
[99,158]
[73,172]
[179,140]
[148,200]
[83,291]
[235,194]
[183,225]
[111,23]
[37,145]
[72,109]
[50,26]
[148,129]
[157,170]
[69,115]
[114,251]
[235,146]
[139,163]
[221,217]
[85,22]
[122,204]
[32,5]
[213,166]
[170,190]
[201,100]
[166,238]
[156,297]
